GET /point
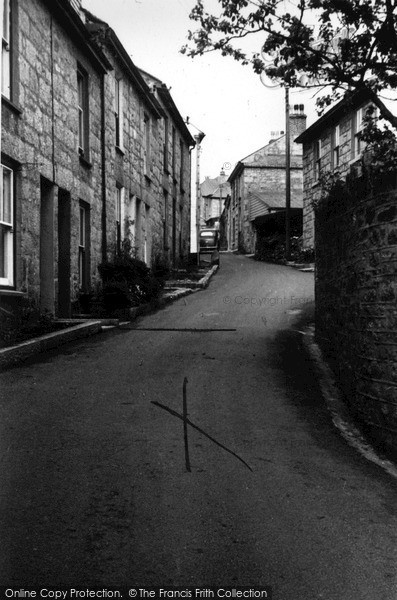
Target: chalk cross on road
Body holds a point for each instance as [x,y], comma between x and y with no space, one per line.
[187,421]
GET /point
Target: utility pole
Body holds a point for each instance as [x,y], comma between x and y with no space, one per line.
[198,138]
[287,178]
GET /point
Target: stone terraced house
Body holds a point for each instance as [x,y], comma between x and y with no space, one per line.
[214,193]
[331,145]
[176,144]
[258,188]
[82,151]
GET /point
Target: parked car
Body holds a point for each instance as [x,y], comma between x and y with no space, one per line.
[209,241]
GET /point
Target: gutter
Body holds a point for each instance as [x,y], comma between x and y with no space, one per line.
[236,171]
[133,71]
[75,28]
[170,105]
[331,117]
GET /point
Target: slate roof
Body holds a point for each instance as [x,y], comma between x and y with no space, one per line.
[350,102]
[275,199]
[210,187]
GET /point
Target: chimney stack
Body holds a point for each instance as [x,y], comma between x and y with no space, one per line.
[274,135]
[297,121]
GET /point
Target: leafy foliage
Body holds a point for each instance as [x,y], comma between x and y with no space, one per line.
[353,44]
[380,157]
[127,281]
[272,249]
[25,322]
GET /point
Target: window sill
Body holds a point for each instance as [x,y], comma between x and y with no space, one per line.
[13,107]
[120,150]
[84,162]
[11,292]
[355,160]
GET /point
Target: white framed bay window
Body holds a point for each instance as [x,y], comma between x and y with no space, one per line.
[6,228]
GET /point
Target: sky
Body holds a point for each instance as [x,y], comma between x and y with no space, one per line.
[222,98]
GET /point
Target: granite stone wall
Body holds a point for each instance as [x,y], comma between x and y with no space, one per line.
[356,301]
[40,140]
[40,143]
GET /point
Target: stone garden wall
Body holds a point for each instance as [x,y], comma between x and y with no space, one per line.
[356,299]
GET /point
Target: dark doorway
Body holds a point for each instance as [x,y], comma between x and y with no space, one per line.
[174,232]
[47,288]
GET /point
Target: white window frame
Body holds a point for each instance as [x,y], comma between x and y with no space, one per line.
[119,213]
[118,112]
[358,127]
[146,241]
[318,155]
[146,143]
[83,112]
[7,252]
[173,152]
[82,245]
[6,50]
[181,163]
[336,147]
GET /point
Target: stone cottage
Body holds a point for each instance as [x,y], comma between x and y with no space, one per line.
[214,193]
[331,145]
[82,155]
[52,145]
[258,184]
[176,144]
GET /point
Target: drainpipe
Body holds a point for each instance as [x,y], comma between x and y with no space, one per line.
[52,97]
[103,157]
[1,67]
[287,178]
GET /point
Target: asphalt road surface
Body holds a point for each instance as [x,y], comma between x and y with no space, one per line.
[94,484]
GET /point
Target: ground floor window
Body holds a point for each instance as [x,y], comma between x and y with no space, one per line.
[6,228]
[119,216]
[84,246]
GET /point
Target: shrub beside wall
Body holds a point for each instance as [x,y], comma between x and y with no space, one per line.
[356,298]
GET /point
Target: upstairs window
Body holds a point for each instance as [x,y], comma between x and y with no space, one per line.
[182,163]
[82,106]
[146,141]
[318,153]
[166,145]
[6,51]
[6,228]
[118,111]
[336,147]
[358,126]
[173,153]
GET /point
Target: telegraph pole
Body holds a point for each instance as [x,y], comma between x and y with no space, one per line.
[198,138]
[287,178]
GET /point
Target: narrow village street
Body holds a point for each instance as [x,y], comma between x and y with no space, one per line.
[94,485]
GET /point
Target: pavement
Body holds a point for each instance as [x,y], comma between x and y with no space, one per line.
[95,485]
[81,328]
